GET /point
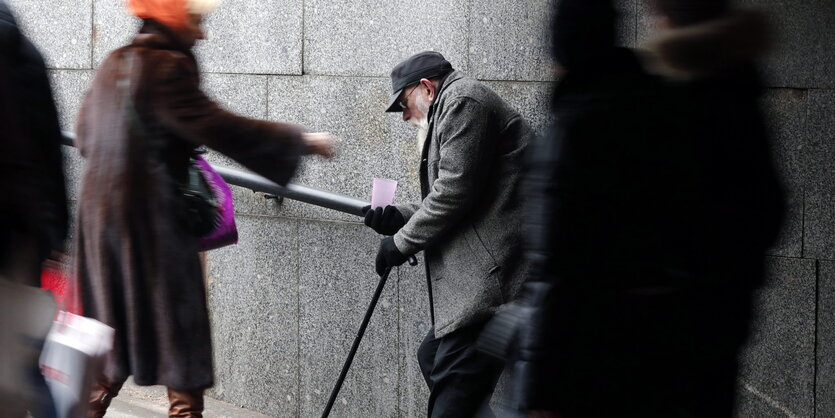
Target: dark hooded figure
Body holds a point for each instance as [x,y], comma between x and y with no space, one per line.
[33,217]
[33,207]
[651,205]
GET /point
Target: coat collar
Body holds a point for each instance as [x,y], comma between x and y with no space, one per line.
[445,82]
[448,80]
[155,35]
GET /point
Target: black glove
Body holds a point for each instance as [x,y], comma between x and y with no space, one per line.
[385,221]
[389,256]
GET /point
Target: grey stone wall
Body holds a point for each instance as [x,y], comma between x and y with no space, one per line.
[287,300]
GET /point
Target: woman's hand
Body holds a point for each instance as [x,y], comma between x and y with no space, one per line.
[320,143]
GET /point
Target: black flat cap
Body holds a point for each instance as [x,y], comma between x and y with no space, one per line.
[426,64]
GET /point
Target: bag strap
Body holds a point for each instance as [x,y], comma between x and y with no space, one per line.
[134,118]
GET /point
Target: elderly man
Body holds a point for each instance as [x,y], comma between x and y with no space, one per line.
[467,224]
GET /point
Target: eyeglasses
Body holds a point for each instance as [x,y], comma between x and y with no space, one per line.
[402,103]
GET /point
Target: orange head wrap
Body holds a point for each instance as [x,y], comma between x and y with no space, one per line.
[173,13]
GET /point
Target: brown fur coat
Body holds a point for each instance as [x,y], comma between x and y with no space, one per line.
[138,269]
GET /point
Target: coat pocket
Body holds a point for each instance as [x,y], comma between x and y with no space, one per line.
[485,267]
[464,254]
[480,254]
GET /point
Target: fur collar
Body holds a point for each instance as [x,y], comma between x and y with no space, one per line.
[156,35]
[709,48]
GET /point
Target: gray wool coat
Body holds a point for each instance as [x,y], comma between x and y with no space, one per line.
[468,224]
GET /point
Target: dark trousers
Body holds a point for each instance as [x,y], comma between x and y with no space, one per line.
[644,354]
[460,378]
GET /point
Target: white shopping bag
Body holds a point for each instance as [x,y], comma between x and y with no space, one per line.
[72,359]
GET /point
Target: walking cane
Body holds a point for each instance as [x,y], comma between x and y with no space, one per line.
[358,338]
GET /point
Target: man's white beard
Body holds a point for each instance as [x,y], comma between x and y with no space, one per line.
[423,131]
[421,124]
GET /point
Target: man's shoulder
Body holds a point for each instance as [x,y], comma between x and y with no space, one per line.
[469,89]
[461,86]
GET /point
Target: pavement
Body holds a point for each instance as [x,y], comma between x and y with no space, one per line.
[152,402]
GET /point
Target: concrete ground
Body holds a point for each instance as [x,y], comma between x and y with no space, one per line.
[147,402]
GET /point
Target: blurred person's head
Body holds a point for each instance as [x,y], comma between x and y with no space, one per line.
[702,38]
[183,16]
[580,31]
[678,13]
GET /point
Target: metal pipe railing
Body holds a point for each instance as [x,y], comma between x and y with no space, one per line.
[297,192]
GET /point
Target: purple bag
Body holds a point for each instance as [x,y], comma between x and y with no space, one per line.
[225,232]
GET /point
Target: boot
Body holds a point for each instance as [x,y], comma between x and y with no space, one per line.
[100,397]
[185,403]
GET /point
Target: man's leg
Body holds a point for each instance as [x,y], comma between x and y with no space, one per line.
[462,377]
[647,355]
[426,356]
[43,406]
[720,321]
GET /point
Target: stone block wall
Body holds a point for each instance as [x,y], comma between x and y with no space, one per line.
[288,299]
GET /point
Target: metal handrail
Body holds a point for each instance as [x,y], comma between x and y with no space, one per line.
[292,191]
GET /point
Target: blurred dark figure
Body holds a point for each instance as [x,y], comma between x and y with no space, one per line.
[33,216]
[652,203]
[138,265]
[33,210]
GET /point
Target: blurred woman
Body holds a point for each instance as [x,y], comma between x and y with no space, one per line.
[138,265]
